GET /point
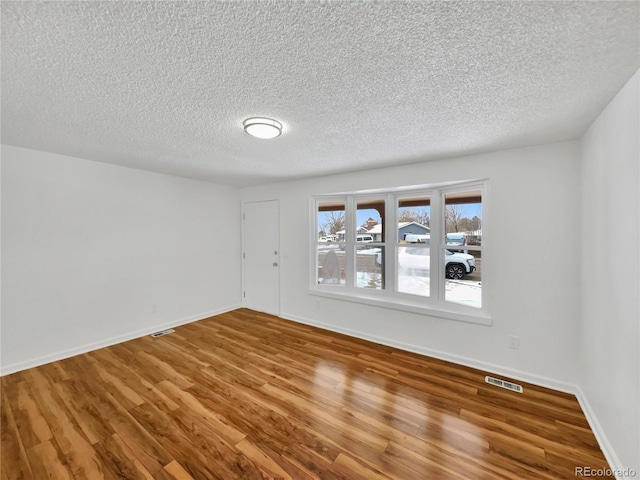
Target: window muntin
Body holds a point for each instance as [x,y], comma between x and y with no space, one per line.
[399,268]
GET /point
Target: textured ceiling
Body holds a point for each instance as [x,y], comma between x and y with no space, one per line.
[164,86]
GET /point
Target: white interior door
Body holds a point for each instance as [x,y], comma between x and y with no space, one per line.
[261,257]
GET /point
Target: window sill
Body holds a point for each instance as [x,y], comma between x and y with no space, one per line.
[406,305]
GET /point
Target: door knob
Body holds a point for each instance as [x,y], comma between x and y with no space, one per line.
[275,264]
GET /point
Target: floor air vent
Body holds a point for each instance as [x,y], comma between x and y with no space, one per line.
[162,333]
[501,383]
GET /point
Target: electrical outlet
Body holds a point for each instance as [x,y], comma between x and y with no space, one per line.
[514,342]
[154,308]
[317,303]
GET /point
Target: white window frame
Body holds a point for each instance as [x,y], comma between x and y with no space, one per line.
[433,305]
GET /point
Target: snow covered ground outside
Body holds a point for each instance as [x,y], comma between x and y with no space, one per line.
[464,291]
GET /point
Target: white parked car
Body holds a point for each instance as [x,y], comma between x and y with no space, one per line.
[327,239]
[457,265]
[364,238]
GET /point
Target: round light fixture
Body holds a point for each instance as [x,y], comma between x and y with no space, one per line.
[261,127]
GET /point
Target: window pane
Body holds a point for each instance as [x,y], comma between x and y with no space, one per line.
[330,264]
[463,219]
[414,219]
[330,221]
[463,228]
[330,247]
[414,269]
[370,221]
[369,267]
[463,278]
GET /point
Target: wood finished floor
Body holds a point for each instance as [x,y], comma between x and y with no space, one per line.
[246,395]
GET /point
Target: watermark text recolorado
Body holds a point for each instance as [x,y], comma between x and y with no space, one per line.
[605,472]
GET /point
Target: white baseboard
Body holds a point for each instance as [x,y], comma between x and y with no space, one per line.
[53,357]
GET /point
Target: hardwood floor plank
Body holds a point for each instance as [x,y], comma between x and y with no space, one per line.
[559,444]
[443,448]
[250,396]
[167,349]
[169,371]
[262,460]
[47,461]
[565,465]
[55,372]
[176,471]
[270,429]
[427,466]
[83,411]
[14,462]
[302,472]
[32,426]
[140,385]
[98,395]
[132,455]
[70,438]
[179,446]
[195,444]
[527,404]
[445,433]
[128,353]
[12,379]
[307,412]
[184,397]
[354,469]
[142,445]
[383,426]
[574,436]
[125,395]
[72,366]
[118,460]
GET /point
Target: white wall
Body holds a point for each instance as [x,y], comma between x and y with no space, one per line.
[534,214]
[88,249]
[610,316]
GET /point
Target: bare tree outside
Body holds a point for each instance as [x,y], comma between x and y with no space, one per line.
[334,222]
[467,224]
[423,218]
[476,223]
[420,216]
[406,215]
[453,219]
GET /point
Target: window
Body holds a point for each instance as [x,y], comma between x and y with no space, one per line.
[419,250]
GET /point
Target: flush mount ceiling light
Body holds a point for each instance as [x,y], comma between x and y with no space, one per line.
[262,127]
